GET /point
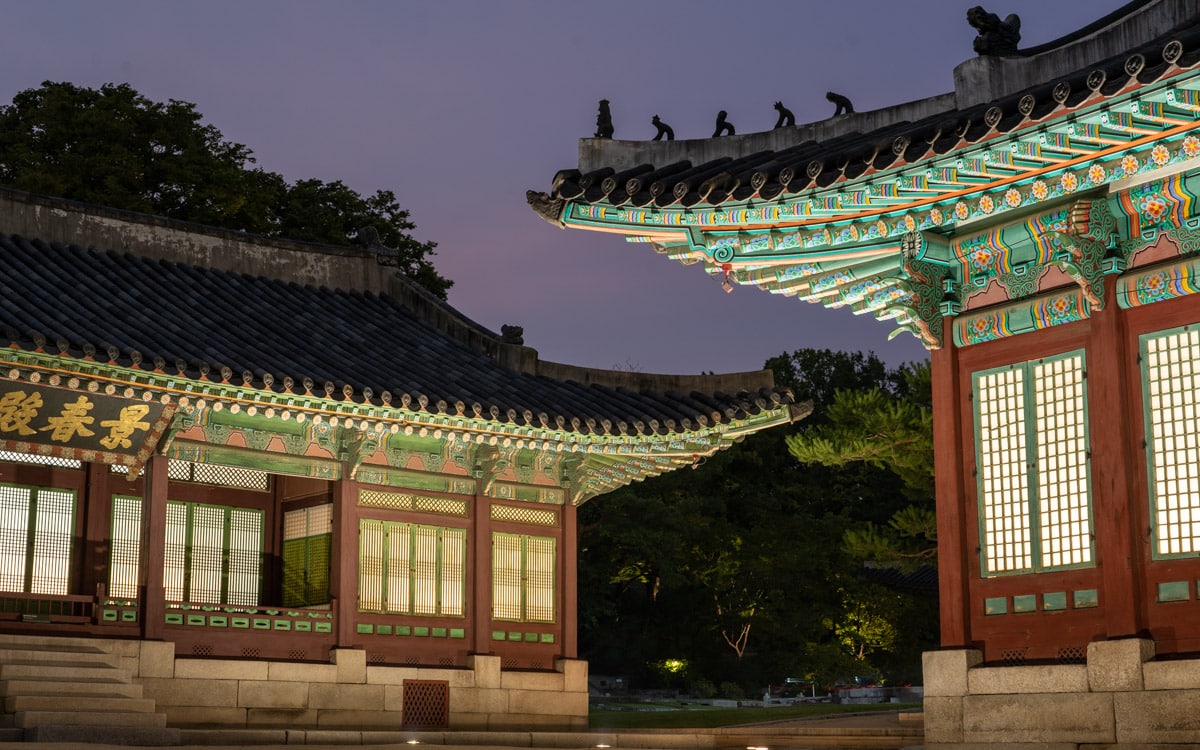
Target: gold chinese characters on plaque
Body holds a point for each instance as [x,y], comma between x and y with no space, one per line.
[78,422]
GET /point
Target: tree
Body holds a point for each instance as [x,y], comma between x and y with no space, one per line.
[115,147]
[891,430]
[730,568]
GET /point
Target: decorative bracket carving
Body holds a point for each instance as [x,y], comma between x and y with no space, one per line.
[1091,232]
[354,446]
[924,282]
[489,462]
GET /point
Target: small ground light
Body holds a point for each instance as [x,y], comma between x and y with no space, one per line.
[757,747]
[413,742]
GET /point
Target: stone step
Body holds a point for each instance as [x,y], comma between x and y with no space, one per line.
[27,703]
[12,655]
[70,689]
[27,719]
[104,735]
[63,673]
[50,643]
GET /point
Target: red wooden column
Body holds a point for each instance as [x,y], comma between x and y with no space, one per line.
[1112,401]
[343,578]
[93,569]
[154,547]
[570,582]
[948,426]
[480,618]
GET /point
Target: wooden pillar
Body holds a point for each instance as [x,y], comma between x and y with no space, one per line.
[481,574]
[154,548]
[343,576]
[948,426]
[570,582]
[1113,397]
[96,513]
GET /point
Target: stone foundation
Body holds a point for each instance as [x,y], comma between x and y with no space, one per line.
[1121,698]
[348,693]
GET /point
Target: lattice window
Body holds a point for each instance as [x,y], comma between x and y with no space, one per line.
[1032,465]
[215,474]
[213,554]
[1171,390]
[408,501]
[411,569]
[34,458]
[125,547]
[530,516]
[523,577]
[36,528]
[307,545]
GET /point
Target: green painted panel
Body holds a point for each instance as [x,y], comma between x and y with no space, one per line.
[260,623]
[129,616]
[1086,598]
[109,615]
[1025,603]
[497,635]
[458,633]
[384,630]
[547,638]
[174,619]
[421,631]
[995,605]
[1054,601]
[514,636]
[365,628]
[1174,591]
[439,632]
[218,621]
[324,627]
[403,630]
[281,625]
[531,637]
[240,622]
[303,626]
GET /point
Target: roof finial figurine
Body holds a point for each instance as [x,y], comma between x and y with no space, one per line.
[844,107]
[664,130]
[996,38]
[786,118]
[723,126]
[604,125]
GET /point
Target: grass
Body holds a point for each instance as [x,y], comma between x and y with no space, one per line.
[679,716]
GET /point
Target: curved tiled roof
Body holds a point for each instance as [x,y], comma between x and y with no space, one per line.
[783,173]
[286,337]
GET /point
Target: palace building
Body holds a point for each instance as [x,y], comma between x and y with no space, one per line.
[250,483]
[1037,229]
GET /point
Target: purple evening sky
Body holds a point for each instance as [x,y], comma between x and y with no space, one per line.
[460,106]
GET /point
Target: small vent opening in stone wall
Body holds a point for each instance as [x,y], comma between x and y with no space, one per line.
[426,704]
[201,649]
[1072,655]
[1013,657]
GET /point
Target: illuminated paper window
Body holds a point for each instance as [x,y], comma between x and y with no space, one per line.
[307,545]
[125,547]
[522,577]
[213,554]
[1170,378]
[36,528]
[1032,466]
[411,569]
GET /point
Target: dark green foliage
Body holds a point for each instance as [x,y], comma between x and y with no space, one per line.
[738,570]
[115,147]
